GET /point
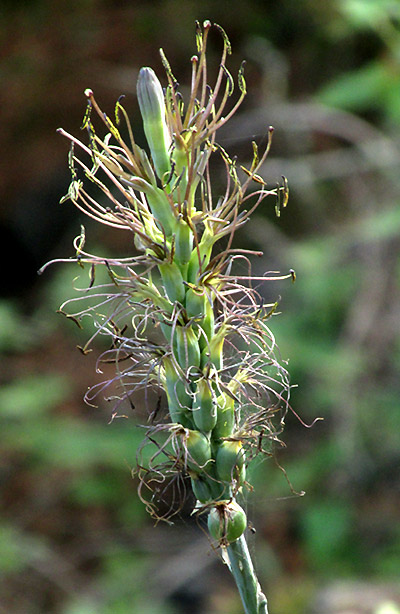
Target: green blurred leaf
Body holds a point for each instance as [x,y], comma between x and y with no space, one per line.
[95,489]
[369,13]
[81,606]
[326,526]
[10,552]
[361,89]
[73,444]
[17,548]
[32,395]
[17,332]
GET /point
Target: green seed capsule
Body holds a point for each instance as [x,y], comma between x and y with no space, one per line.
[204,407]
[207,323]
[198,306]
[229,460]
[187,346]
[212,353]
[197,450]
[177,392]
[227,522]
[177,411]
[172,378]
[178,415]
[172,281]
[225,417]
[207,489]
[194,267]
[201,489]
[220,490]
[179,400]
[161,210]
[183,242]
[195,303]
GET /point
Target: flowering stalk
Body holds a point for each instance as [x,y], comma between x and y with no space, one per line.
[181,316]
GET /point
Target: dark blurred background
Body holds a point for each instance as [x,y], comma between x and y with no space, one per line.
[74,537]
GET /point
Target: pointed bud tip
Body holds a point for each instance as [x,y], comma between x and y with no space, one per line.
[150,94]
[146,71]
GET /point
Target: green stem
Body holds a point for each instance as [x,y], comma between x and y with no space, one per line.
[241,567]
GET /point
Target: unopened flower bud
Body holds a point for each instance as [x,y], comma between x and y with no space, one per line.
[152,107]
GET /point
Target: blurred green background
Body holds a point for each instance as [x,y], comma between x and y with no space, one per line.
[74,537]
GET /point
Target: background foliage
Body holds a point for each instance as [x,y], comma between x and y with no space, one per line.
[74,539]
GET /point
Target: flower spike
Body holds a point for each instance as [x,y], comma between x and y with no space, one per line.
[182,317]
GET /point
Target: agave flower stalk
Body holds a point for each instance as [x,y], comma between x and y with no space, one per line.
[183,316]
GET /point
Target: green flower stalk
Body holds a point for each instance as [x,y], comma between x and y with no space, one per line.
[181,316]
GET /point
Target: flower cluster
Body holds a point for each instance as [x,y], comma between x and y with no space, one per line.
[181,315]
